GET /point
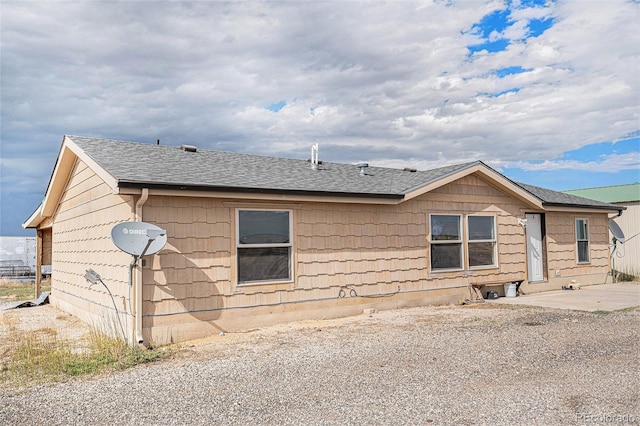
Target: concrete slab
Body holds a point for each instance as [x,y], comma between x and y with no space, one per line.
[602,297]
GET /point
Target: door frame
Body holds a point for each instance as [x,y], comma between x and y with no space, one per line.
[537,275]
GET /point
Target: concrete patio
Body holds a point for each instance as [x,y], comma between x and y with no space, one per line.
[602,297]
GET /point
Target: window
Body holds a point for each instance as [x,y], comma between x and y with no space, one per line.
[263,240]
[582,240]
[446,242]
[481,241]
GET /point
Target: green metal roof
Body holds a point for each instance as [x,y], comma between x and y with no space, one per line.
[610,194]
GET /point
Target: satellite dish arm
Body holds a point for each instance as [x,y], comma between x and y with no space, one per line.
[152,234]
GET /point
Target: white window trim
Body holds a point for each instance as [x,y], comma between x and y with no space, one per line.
[588,240]
[460,241]
[494,241]
[289,244]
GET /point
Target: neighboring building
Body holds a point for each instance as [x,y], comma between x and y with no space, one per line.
[258,240]
[627,255]
[17,256]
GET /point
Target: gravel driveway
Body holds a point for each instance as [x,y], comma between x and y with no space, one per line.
[481,364]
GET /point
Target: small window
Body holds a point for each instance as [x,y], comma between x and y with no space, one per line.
[263,246]
[582,240]
[446,242]
[482,241]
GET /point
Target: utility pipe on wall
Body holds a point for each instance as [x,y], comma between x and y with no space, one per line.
[138,290]
[39,241]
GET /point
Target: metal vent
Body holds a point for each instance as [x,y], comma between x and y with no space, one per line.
[189,148]
[314,157]
[363,168]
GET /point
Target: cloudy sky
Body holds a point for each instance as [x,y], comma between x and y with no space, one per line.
[545,92]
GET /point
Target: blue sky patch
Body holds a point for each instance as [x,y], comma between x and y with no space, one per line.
[490,46]
[503,72]
[499,20]
[562,179]
[495,21]
[495,95]
[538,26]
[275,107]
[596,151]
[524,4]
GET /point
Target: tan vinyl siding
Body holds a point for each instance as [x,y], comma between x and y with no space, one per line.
[472,195]
[341,254]
[81,232]
[561,244]
[370,249]
[192,272]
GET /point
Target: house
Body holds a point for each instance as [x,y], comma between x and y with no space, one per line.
[254,240]
[627,255]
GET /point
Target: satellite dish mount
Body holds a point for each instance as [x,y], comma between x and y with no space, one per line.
[138,239]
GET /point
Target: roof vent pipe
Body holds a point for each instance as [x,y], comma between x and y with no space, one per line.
[362,167]
[314,156]
[188,148]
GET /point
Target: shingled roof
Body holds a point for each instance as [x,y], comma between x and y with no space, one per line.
[128,166]
[555,198]
[136,165]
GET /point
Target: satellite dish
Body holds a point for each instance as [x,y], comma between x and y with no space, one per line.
[616,231]
[138,238]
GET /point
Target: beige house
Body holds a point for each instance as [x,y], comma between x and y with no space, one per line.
[255,240]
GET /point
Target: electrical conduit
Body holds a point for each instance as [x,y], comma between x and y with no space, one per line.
[138,287]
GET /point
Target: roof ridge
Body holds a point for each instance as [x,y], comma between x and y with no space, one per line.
[601,187]
[246,154]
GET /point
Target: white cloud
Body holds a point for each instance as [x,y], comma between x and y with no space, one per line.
[388,81]
[608,164]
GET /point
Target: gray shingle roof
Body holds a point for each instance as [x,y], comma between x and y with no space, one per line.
[555,198]
[138,164]
[146,165]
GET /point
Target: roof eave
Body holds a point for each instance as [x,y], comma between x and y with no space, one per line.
[250,190]
[610,208]
[68,154]
[35,219]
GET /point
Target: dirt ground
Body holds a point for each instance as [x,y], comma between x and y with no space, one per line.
[46,320]
[478,364]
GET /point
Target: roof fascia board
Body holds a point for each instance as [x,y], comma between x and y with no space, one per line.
[441,181]
[97,169]
[35,219]
[510,187]
[491,176]
[64,164]
[275,191]
[554,207]
[273,197]
[67,156]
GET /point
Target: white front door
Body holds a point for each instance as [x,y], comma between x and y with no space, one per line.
[533,232]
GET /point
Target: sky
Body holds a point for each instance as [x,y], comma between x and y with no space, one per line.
[545,92]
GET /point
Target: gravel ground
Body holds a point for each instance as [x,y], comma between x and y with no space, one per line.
[481,364]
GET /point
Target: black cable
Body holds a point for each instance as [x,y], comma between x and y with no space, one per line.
[354,293]
[114,307]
